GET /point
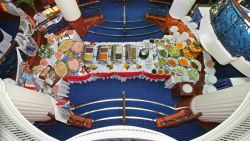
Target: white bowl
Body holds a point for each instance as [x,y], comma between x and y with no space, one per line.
[187,88]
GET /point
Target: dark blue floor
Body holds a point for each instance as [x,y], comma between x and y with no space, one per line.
[226,71]
[113,9]
[10,26]
[140,89]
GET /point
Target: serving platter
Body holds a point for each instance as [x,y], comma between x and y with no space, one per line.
[61,68]
[65,45]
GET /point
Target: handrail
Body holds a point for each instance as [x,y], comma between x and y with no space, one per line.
[89,3]
[129,28]
[123,108]
[127,35]
[124,17]
[134,21]
[241,10]
[161,2]
[56,14]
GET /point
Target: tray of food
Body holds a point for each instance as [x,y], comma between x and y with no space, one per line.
[117,52]
[77,47]
[180,70]
[183,61]
[61,68]
[102,53]
[172,61]
[88,54]
[196,64]
[65,45]
[73,65]
[193,74]
[131,53]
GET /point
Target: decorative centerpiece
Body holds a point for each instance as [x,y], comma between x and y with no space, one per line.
[45,51]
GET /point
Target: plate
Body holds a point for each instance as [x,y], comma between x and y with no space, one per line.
[77,47]
[160,71]
[187,88]
[73,65]
[61,68]
[193,74]
[180,46]
[65,45]
[196,64]
[183,61]
[172,61]
[174,52]
[167,71]
[162,61]
[180,70]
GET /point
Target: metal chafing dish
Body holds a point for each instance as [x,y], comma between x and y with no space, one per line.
[131,53]
[117,52]
[88,54]
[102,53]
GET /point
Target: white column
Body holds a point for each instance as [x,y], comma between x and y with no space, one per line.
[218,106]
[180,8]
[69,9]
[34,106]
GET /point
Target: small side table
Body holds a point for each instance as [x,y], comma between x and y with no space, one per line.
[177,91]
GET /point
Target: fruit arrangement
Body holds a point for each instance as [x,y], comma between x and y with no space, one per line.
[195,47]
[189,54]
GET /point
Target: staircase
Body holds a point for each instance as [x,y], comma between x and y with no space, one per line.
[123,21]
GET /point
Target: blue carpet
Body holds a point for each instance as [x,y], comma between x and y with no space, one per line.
[140,89]
[10,26]
[229,73]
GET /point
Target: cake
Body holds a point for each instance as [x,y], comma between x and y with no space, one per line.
[73,65]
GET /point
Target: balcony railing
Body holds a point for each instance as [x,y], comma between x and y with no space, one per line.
[232,27]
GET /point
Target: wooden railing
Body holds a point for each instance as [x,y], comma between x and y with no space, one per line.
[236,3]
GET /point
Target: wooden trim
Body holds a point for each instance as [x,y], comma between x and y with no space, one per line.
[241,10]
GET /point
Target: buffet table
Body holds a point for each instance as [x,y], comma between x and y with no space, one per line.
[67,60]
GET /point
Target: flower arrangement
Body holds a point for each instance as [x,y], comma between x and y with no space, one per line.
[45,51]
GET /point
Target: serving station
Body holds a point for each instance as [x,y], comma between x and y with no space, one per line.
[66,59]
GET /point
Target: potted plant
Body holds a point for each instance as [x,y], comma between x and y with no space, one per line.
[29,2]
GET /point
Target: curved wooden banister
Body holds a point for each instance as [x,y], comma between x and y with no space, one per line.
[238,6]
